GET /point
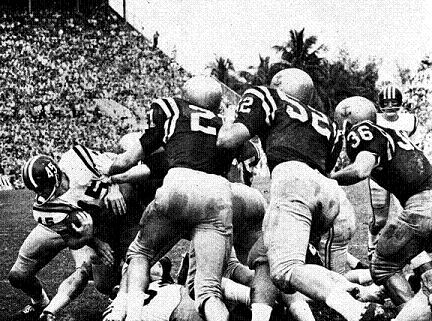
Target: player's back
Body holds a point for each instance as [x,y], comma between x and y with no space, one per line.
[190,137]
[403,170]
[295,131]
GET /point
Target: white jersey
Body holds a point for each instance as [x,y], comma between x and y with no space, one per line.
[406,122]
[161,301]
[81,166]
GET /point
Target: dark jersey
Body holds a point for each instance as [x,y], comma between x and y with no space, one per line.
[188,134]
[289,130]
[402,168]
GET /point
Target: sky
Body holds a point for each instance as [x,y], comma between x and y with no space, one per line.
[396,32]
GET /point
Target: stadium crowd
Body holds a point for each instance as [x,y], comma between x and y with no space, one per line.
[54,66]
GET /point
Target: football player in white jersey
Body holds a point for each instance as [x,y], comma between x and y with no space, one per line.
[61,224]
[390,103]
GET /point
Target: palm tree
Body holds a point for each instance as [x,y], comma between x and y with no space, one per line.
[298,52]
[221,69]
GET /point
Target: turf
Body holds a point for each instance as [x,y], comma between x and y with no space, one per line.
[16,222]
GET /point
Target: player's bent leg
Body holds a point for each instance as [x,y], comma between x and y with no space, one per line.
[403,238]
[380,202]
[37,250]
[333,247]
[212,249]
[417,309]
[293,204]
[156,237]
[116,310]
[298,306]
[263,293]
[75,283]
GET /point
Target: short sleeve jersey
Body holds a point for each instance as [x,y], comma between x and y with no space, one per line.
[188,133]
[402,168]
[288,129]
[406,122]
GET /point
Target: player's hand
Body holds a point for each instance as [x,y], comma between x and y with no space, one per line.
[104,252]
[114,200]
[105,179]
[86,227]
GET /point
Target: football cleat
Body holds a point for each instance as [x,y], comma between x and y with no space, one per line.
[353,110]
[390,99]
[204,92]
[42,175]
[47,316]
[295,83]
[29,313]
[375,312]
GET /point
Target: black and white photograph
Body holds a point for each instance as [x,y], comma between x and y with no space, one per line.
[215,160]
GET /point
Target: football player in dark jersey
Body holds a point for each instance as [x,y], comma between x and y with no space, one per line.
[302,145]
[394,162]
[195,199]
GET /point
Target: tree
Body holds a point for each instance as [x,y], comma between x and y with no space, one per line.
[220,69]
[302,53]
[223,70]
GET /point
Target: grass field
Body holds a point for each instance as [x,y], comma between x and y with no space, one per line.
[16,222]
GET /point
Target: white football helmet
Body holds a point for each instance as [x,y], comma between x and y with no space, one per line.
[203,91]
[353,110]
[294,82]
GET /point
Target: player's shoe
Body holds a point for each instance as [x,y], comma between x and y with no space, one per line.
[30,312]
[114,293]
[370,252]
[114,313]
[47,316]
[415,282]
[183,270]
[375,312]
[361,266]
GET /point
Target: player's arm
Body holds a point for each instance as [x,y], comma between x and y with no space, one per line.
[136,174]
[362,168]
[126,160]
[81,234]
[250,120]
[150,141]
[114,198]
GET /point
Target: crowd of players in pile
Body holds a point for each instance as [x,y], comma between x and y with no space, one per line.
[121,213]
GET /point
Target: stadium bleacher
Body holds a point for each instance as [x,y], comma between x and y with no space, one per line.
[55,66]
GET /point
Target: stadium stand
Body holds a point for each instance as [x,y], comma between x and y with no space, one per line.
[55,66]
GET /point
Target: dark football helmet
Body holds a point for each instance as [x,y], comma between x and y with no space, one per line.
[42,175]
[390,99]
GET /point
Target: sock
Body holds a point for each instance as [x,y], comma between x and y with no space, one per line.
[261,311]
[42,301]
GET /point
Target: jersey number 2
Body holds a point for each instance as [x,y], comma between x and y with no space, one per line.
[196,124]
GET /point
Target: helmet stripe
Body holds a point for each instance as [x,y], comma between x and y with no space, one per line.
[29,171]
